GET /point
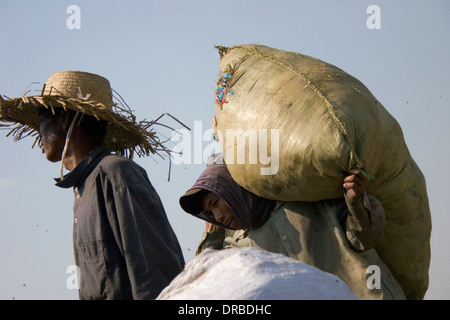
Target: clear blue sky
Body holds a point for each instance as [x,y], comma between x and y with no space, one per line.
[160,56]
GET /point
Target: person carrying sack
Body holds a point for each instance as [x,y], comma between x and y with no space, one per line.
[336,235]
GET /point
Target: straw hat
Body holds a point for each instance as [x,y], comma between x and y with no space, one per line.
[89,94]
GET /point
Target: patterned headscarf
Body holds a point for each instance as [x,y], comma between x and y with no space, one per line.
[250,210]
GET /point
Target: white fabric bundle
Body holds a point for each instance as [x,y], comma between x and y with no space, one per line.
[253,274]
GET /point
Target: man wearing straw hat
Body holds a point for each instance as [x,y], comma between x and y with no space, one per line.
[124,245]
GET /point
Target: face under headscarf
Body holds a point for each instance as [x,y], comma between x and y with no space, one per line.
[250,210]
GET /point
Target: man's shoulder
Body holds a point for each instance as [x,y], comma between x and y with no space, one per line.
[113,163]
[115,159]
[311,207]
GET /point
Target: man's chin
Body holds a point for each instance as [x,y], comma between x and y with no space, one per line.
[50,155]
[52,158]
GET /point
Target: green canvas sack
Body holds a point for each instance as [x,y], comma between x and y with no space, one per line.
[315,122]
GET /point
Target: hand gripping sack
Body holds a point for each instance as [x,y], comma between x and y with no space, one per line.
[292,126]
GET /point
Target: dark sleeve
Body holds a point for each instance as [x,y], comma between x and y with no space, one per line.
[142,231]
[365,222]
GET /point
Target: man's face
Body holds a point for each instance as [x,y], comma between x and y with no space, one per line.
[52,134]
[217,208]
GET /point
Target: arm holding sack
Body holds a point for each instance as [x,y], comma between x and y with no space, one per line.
[366,219]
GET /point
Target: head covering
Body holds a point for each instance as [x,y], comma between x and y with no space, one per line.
[250,210]
[87,94]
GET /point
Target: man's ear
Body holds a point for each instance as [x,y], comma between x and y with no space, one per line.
[66,118]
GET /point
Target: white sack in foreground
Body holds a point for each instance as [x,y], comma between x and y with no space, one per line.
[253,274]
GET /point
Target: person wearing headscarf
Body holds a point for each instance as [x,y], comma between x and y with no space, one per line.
[336,235]
[124,245]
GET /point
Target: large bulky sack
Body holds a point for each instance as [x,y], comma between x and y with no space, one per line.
[325,122]
[253,274]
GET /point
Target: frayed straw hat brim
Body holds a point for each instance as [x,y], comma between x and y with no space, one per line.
[124,135]
[91,95]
